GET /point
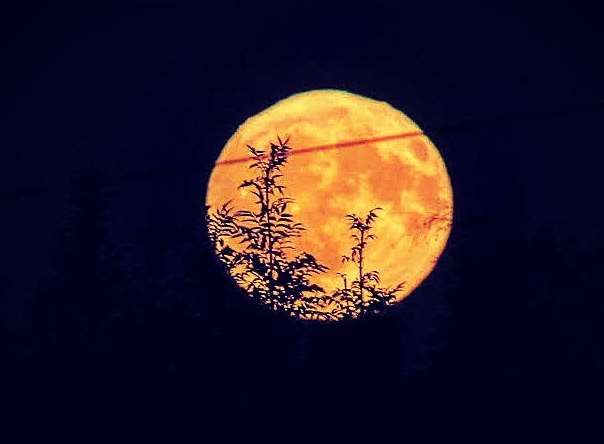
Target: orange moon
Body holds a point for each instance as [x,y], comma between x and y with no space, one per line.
[405,176]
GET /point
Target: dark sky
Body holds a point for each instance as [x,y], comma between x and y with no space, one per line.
[149,92]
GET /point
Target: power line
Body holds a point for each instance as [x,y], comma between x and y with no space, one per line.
[333,146]
[470,125]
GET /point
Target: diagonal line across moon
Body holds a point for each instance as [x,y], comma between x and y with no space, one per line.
[331,146]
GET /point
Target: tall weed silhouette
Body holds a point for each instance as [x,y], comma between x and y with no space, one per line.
[257,247]
[266,266]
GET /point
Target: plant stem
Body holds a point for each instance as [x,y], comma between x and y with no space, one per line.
[362,232]
[268,222]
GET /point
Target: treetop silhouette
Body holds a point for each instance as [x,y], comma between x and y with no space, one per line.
[257,247]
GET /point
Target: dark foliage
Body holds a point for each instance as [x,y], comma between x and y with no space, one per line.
[162,329]
[363,294]
[74,307]
[264,266]
[265,269]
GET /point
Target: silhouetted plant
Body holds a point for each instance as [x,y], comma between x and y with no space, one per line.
[361,233]
[263,268]
[364,294]
[222,224]
[267,232]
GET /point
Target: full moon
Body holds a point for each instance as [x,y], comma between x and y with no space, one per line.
[349,154]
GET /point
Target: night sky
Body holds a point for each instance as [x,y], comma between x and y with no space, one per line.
[148,92]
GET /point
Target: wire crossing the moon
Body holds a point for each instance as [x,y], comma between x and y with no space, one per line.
[332,146]
[567,110]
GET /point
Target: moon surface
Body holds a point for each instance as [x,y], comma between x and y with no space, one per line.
[405,176]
